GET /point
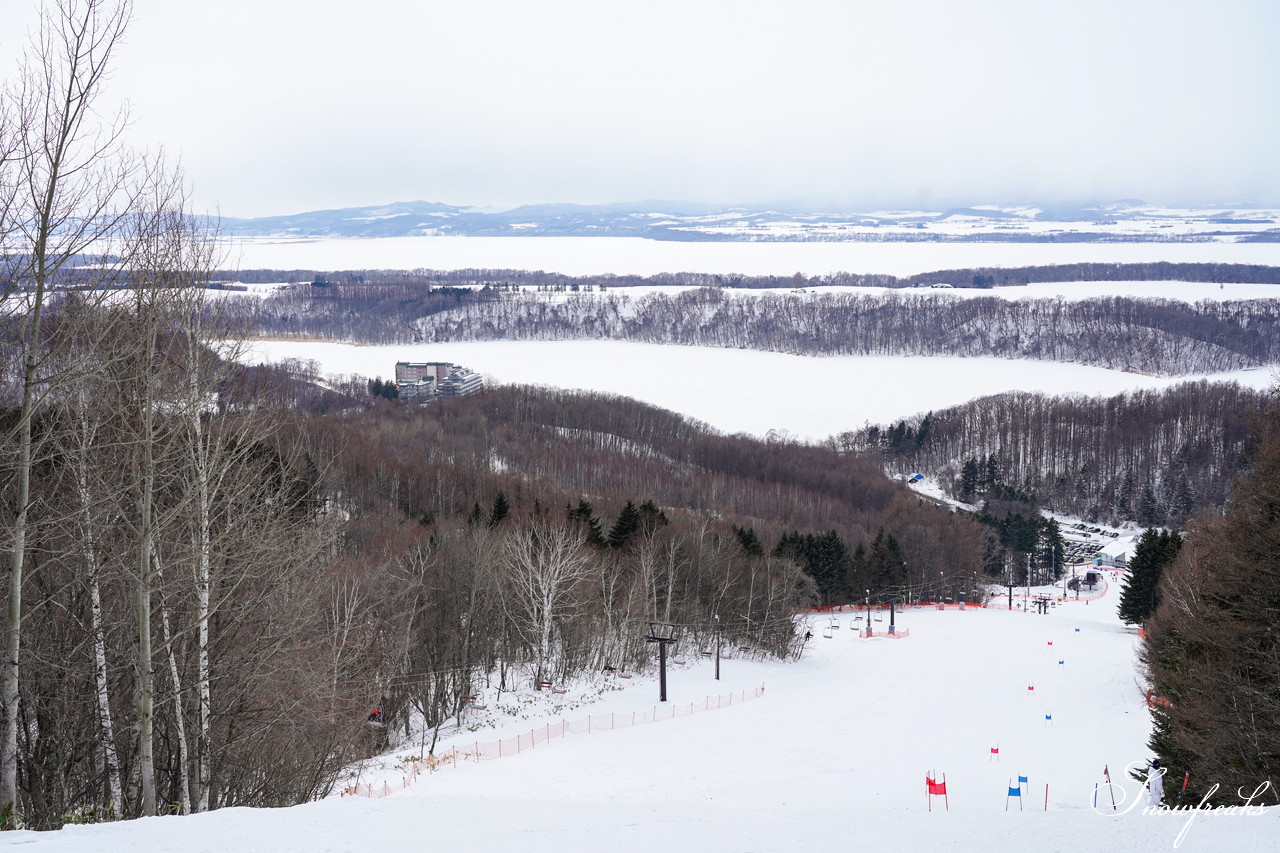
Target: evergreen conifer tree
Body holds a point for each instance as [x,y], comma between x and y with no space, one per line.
[1124,500]
[501,509]
[625,526]
[991,472]
[651,518]
[824,558]
[584,514]
[858,574]
[749,541]
[1149,510]
[1053,553]
[1139,594]
[969,480]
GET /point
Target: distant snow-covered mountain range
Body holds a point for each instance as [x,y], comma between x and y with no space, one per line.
[1125,221]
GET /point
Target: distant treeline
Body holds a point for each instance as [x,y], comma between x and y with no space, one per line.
[965,277]
[1155,457]
[1158,336]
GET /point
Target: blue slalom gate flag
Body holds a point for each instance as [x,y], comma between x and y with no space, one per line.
[1023,780]
[1015,792]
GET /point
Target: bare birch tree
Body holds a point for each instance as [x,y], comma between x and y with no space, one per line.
[66,175]
[545,563]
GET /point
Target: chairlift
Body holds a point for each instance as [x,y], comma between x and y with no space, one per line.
[827,634]
[879,616]
[678,661]
[707,654]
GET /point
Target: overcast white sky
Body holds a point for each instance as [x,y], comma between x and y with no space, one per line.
[278,106]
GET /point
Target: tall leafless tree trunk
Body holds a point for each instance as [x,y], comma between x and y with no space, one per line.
[66,175]
[544,563]
[89,528]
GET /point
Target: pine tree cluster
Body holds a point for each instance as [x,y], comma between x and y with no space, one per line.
[1139,594]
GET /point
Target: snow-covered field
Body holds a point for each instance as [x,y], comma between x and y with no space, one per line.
[637,256]
[744,390]
[833,755]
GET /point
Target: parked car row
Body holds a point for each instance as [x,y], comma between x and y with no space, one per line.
[1087,531]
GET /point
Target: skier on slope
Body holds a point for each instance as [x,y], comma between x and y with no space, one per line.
[1155,781]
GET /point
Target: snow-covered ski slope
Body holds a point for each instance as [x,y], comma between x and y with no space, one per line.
[833,755]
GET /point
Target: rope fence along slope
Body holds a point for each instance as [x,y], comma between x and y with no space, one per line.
[507,747]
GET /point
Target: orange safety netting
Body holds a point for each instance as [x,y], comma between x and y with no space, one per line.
[515,745]
[898,633]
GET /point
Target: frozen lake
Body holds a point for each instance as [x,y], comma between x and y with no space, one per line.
[744,390]
[636,256]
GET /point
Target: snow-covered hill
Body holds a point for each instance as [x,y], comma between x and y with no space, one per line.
[691,222]
[834,754]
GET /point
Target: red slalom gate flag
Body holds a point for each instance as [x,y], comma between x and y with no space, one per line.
[934,788]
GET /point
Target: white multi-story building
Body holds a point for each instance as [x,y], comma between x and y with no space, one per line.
[425,381]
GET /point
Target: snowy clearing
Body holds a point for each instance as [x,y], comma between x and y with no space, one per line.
[835,752]
[637,256]
[745,390]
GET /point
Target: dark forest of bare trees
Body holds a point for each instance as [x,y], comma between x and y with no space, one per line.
[647,512]
[1154,457]
[161,536]
[1165,337]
